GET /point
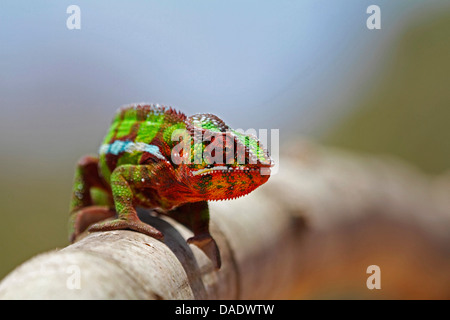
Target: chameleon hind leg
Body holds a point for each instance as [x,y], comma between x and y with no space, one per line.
[84,209]
[195,216]
[124,180]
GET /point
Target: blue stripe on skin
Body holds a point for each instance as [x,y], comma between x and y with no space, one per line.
[119,146]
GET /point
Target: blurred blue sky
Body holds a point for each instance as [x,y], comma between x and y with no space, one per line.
[260,64]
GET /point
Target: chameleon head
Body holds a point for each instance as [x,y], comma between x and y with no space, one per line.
[225,163]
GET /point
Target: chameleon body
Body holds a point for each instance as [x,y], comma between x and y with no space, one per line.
[141,164]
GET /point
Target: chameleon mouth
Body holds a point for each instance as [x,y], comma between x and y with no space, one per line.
[212,170]
[228,169]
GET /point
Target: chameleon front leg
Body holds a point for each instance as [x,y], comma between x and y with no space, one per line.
[86,178]
[195,216]
[124,180]
[83,208]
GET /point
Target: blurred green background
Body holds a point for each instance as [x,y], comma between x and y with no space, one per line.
[310,68]
[406,111]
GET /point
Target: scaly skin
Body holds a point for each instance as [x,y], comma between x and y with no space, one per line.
[140,165]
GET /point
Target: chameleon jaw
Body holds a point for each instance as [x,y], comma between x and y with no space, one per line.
[222,169]
[209,170]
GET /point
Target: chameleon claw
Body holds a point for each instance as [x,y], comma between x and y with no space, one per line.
[208,245]
[120,224]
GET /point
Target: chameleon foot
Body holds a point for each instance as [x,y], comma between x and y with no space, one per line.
[132,224]
[208,245]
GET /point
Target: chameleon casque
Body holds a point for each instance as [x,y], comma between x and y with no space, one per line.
[138,166]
